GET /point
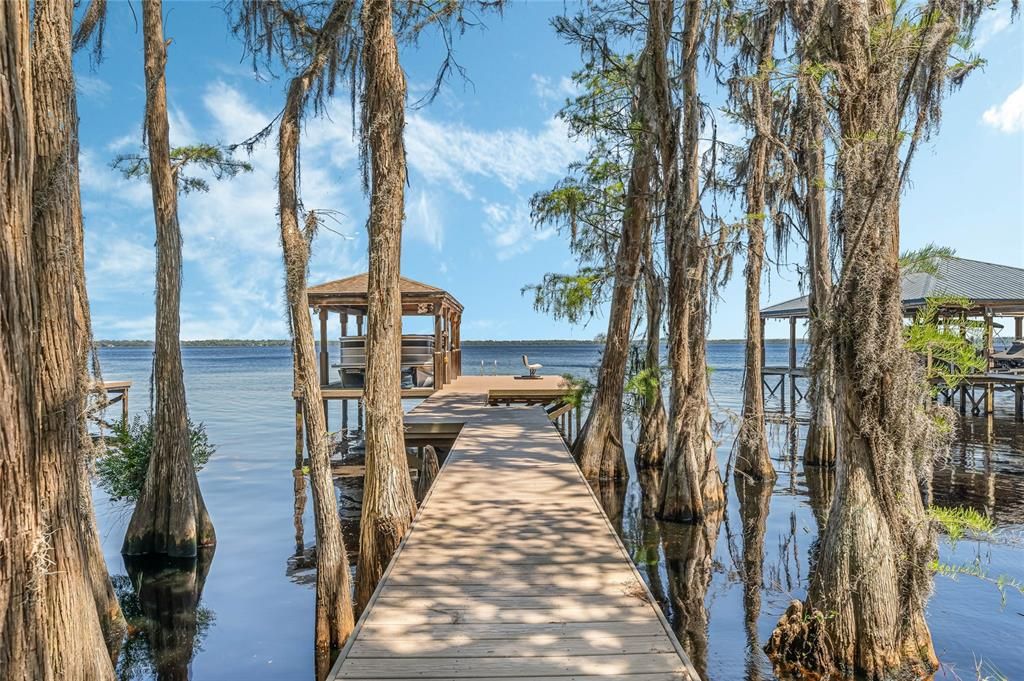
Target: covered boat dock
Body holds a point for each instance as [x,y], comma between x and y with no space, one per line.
[992,291]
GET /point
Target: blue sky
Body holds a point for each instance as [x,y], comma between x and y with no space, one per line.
[476,155]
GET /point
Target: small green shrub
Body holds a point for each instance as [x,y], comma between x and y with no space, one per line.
[121,470]
[581,390]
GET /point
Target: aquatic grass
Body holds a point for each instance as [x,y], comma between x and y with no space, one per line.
[956,521]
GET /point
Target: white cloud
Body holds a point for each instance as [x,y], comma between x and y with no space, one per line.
[992,24]
[233,276]
[1009,116]
[124,142]
[511,230]
[91,86]
[125,259]
[551,91]
[423,220]
[452,154]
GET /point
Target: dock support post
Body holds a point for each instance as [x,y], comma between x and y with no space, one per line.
[792,364]
[124,407]
[324,361]
[990,389]
[1018,389]
[344,403]
[438,352]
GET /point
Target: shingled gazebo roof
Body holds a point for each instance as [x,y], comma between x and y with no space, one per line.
[351,292]
[987,285]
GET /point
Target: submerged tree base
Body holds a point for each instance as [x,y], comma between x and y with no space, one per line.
[799,648]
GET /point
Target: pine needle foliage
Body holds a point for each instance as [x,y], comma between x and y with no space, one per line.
[217,160]
[939,333]
[121,469]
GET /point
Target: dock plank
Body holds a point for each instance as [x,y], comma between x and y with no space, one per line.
[510,569]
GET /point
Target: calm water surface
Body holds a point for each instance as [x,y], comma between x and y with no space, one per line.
[247,612]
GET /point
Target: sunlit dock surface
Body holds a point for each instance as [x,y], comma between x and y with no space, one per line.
[511,568]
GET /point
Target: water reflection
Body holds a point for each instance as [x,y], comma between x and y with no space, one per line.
[754,498]
[166,624]
[689,558]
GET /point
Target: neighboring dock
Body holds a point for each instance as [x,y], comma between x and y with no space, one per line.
[511,568]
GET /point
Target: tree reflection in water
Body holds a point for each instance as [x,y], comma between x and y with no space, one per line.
[754,498]
[166,625]
[689,560]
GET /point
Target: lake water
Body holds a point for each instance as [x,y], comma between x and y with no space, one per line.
[255,598]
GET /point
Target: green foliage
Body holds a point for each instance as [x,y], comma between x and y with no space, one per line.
[567,296]
[935,332]
[121,470]
[645,384]
[924,260]
[959,520]
[215,159]
[580,390]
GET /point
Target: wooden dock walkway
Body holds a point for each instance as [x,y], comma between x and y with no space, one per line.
[511,568]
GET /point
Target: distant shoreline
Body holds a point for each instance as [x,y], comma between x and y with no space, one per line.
[276,342]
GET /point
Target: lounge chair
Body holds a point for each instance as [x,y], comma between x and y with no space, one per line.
[532,367]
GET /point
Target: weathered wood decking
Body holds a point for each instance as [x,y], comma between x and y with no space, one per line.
[511,569]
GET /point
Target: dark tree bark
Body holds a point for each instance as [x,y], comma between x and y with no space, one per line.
[598,448]
[820,445]
[23,653]
[864,611]
[170,516]
[43,570]
[388,500]
[653,438]
[752,458]
[65,331]
[334,618]
[691,486]
[428,472]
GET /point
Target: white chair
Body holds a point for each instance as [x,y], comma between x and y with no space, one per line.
[532,367]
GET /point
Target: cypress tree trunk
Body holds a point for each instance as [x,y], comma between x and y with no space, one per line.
[58,243]
[23,627]
[170,516]
[691,487]
[333,617]
[864,610]
[653,440]
[752,457]
[388,500]
[820,446]
[598,448]
[43,572]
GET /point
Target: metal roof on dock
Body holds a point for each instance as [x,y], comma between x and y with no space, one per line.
[1000,287]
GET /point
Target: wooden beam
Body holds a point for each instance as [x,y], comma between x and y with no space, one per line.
[792,364]
[990,394]
[323,346]
[324,357]
[438,352]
